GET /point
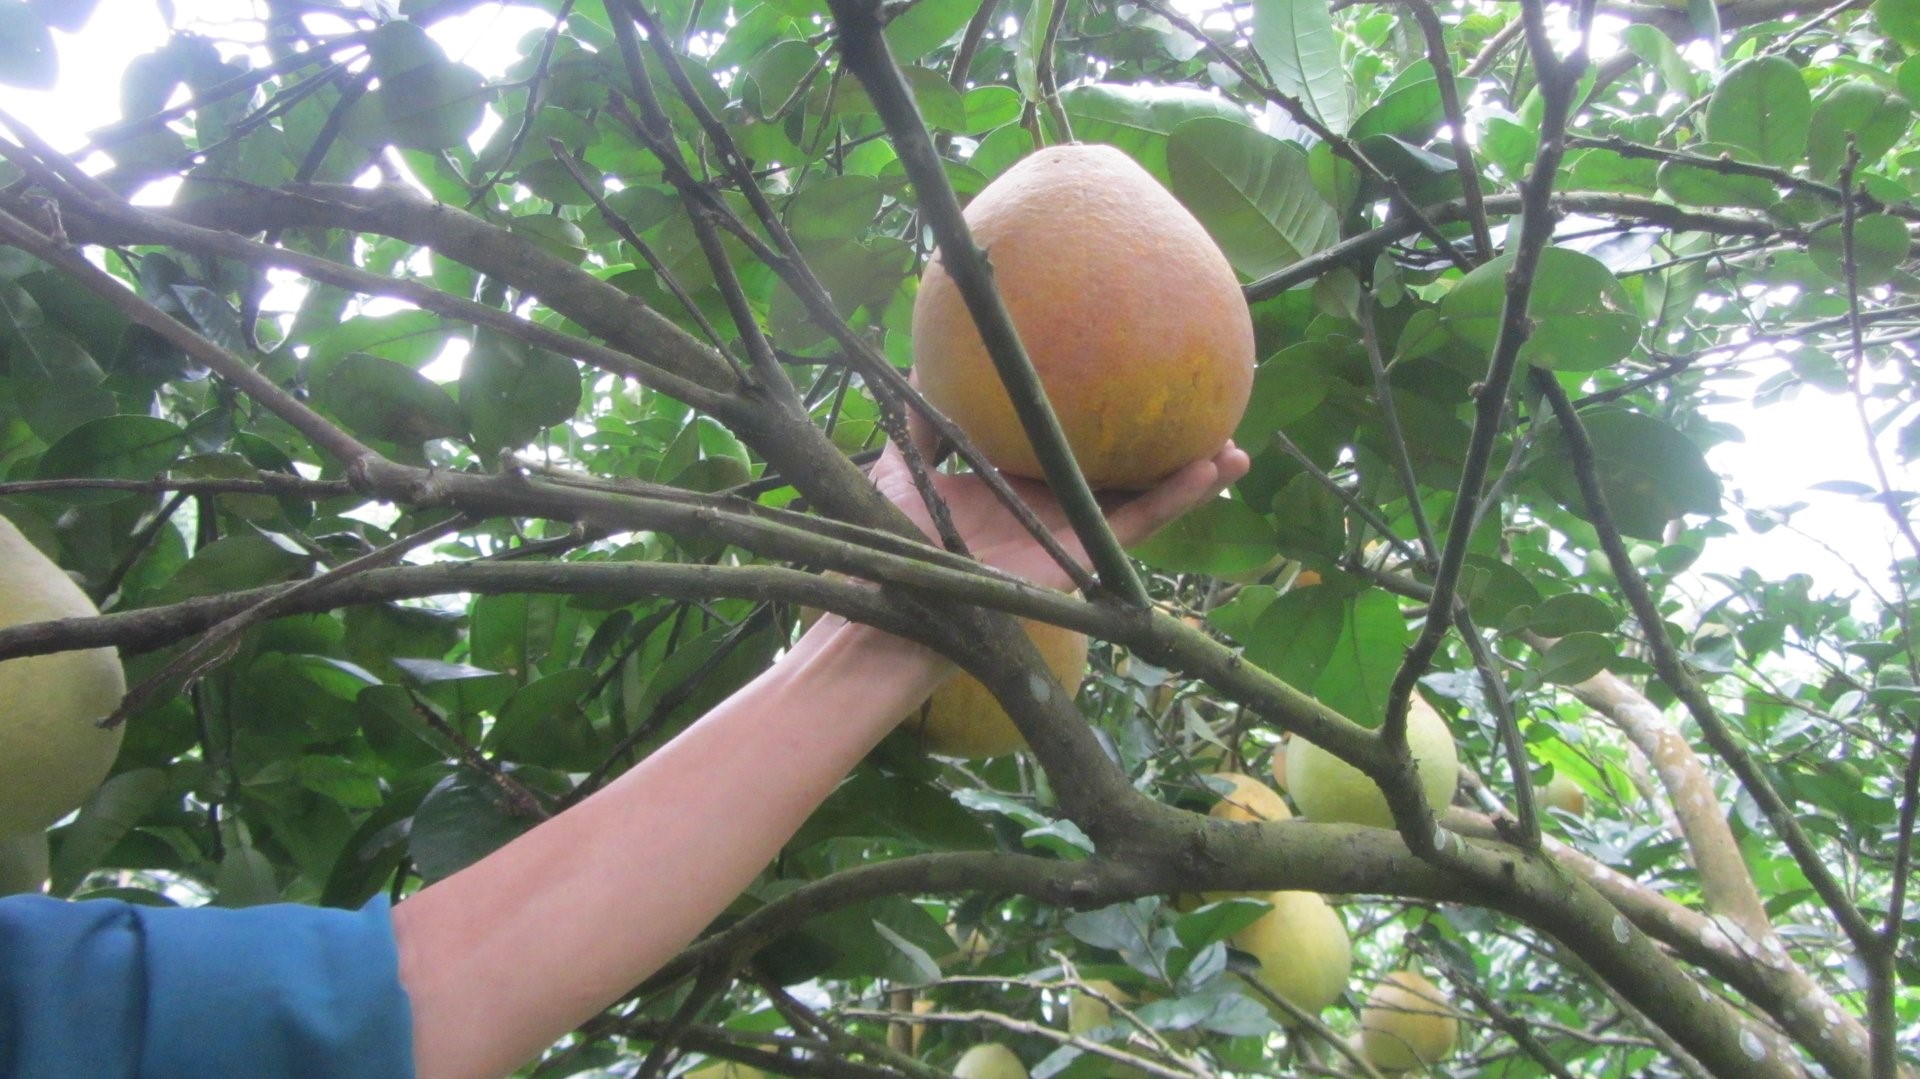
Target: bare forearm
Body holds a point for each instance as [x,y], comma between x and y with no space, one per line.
[509,954]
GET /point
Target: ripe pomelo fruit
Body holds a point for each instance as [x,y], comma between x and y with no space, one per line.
[1326,788]
[1086,1011]
[1407,1023]
[1133,319]
[962,719]
[989,1060]
[1565,794]
[52,750]
[1248,800]
[1304,952]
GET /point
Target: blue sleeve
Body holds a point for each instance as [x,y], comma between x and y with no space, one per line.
[109,989]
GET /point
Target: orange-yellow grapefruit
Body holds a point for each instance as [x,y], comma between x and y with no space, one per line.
[1304,951]
[1407,1023]
[1133,319]
[962,719]
[53,751]
[1249,800]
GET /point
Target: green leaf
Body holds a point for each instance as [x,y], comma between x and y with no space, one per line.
[1286,387]
[926,25]
[381,399]
[1296,634]
[1297,42]
[1139,119]
[464,819]
[27,57]
[511,391]
[243,559]
[1414,112]
[833,208]
[1493,589]
[1762,106]
[1583,318]
[1577,657]
[113,447]
[1658,51]
[1699,185]
[1222,537]
[1424,176]
[107,815]
[1364,661]
[423,100]
[989,107]
[1252,192]
[1874,118]
[1649,472]
[1218,921]
[925,970]
[546,722]
[1880,245]
[1510,144]
[1573,612]
[1899,20]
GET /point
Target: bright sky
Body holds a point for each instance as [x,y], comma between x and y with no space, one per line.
[1789,446]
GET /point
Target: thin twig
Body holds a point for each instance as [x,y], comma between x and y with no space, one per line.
[864,49]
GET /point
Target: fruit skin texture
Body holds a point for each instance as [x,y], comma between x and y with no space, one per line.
[1407,1023]
[962,719]
[1250,800]
[1087,1012]
[989,1060]
[1304,952]
[1133,319]
[1562,793]
[52,755]
[1329,789]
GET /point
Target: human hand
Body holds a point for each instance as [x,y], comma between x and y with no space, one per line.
[997,538]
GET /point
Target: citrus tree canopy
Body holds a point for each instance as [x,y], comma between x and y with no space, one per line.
[440,439]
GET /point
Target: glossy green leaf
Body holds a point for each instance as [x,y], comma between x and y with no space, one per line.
[1251,191]
[1899,20]
[510,392]
[1762,106]
[1139,119]
[113,448]
[1860,112]
[1295,636]
[1297,42]
[1413,112]
[1573,612]
[1360,671]
[1577,657]
[1880,244]
[1649,472]
[1658,50]
[925,26]
[381,399]
[466,818]
[1702,185]
[1582,317]
[1221,537]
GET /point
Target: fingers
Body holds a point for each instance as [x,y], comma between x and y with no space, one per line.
[1178,493]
